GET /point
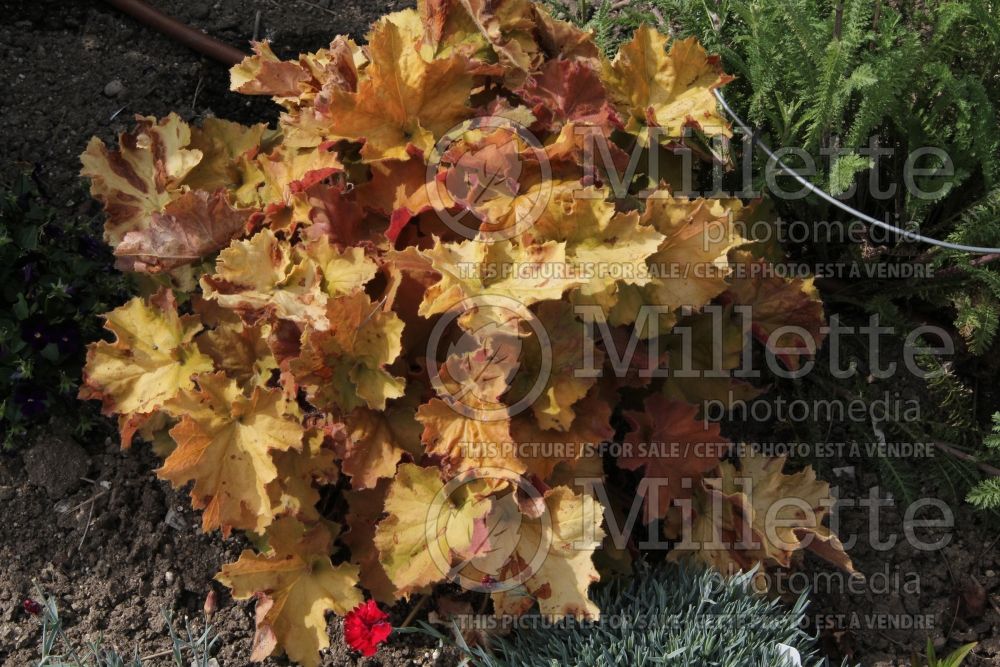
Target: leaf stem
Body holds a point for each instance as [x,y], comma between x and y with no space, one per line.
[416,609]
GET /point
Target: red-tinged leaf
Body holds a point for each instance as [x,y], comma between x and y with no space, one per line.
[189,229]
[673,447]
[568,91]
[143,175]
[265,74]
[786,314]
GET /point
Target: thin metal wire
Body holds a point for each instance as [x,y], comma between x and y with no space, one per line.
[911,236]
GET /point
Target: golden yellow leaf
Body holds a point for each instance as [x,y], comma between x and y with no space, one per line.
[376,441]
[344,271]
[240,351]
[224,444]
[711,535]
[669,91]
[294,492]
[563,539]
[496,273]
[466,441]
[295,585]
[258,278]
[287,170]
[403,99]
[692,259]
[225,147]
[344,367]
[541,450]
[785,511]
[151,360]
[416,512]
[564,357]
[756,513]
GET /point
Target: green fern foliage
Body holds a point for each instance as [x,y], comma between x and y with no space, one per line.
[992,441]
[976,294]
[986,494]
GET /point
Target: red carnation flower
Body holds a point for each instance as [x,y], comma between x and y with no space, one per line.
[365,627]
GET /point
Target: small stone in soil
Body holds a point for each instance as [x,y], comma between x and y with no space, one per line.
[113,88]
[174,520]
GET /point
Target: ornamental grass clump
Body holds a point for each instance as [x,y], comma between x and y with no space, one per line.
[381,336]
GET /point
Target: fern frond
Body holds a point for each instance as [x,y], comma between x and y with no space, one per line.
[992,441]
[985,495]
[977,321]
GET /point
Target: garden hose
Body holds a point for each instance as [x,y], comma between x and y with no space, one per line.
[180,32]
[910,236]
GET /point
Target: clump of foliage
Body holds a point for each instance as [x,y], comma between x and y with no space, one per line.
[837,78]
[54,277]
[382,297]
[669,615]
[831,75]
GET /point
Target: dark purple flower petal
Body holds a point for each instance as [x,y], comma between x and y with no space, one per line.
[37,332]
[29,400]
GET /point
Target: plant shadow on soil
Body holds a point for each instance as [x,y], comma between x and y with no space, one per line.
[105,547]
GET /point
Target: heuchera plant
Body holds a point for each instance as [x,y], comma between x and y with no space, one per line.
[390,292]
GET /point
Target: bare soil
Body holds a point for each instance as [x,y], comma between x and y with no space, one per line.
[950,595]
[116,548]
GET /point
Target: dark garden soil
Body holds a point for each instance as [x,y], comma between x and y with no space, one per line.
[116,549]
[950,595]
[93,527]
